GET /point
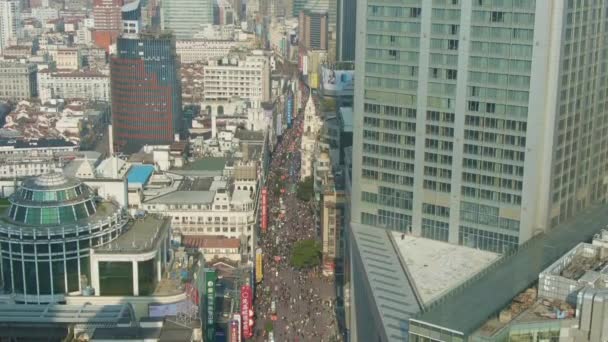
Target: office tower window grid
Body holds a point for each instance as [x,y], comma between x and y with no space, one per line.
[581,141]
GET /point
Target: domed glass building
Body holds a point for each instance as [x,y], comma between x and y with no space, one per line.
[46,236]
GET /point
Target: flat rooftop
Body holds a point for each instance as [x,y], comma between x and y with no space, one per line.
[437,266]
[142,236]
[470,305]
[207,164]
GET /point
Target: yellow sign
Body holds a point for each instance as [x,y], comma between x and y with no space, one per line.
[259,272]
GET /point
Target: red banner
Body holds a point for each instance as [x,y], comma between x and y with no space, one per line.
[264,209]
[246,306]
[235,334]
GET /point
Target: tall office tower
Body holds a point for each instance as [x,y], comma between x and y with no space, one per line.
[346,19]
[107,17]
[10,23]
[313,30]
[186,17]
[479,122]
[146,90]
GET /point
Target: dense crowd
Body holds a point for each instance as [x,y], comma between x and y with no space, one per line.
[303,299]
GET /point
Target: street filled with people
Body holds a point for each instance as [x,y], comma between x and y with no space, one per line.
[291,304]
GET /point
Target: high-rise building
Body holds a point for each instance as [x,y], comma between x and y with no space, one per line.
[146,90]
[313,30]
[107,18]
[477,122]
[346,19]
[10,23]
[186,17]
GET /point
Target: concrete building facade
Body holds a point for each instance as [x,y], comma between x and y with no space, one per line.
[17,81]
[69,85]
[186,17]
[244,76]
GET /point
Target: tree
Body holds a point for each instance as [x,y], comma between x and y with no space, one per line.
[306,254]
[268,326]
[305,189]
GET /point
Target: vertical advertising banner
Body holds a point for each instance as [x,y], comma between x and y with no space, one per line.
[245,308]
[259,274]
[235,328]
[210,279]
[289,110]
[264,209]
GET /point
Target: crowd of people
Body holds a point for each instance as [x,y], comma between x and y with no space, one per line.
[296,305]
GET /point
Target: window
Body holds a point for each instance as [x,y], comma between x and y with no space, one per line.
[415,12]
[451,74]
[490,107]
[497,17]
[452,44]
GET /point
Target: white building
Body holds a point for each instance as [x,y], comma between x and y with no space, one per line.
[312,126]
[73,84]
[191,51]
[10,23]
[245,76]
[215,211]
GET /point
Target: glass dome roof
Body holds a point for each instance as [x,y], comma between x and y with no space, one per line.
[51,199]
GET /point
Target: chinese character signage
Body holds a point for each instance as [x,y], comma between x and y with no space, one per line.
[246,310]
[259,274]
[264,209]
[210,279]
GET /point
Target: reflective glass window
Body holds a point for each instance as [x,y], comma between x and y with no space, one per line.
[66,214]
[33,216]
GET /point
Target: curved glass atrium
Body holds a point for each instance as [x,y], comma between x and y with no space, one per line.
[46,235]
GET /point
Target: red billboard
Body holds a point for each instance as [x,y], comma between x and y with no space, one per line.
[246,311]
[264,209]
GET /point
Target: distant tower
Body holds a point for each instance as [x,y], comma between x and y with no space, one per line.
[186,17]
[146,90]
[10,23]
[107,18]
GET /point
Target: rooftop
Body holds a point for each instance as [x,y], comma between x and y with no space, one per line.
[246,135]
[142,236]
[184,197]
[139,175]
[468,306]
[65,314]
[203,241]
[424,257]
[207,164]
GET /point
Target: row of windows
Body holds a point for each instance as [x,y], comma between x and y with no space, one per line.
[489,166]
[389,124]
[485,240]
[503,18]
[388,219]
[502,65]
[431,171]
[393,26]
[390,110]
[437,158]
[50,196]
[383,82]
[388,164]
[494,152]
[389,151]
[440,145]
[436,230]
[436,210]
[440,116]
[494,138]
[387,177]
[54,215]
[495,196]
[494,123]
[392,69]
[439,131]
[437,186]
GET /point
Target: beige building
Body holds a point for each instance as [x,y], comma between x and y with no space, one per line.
[333,218]
[17,81]
[66,58]
[191,51]
[73,84]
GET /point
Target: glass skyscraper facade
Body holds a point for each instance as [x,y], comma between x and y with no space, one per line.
[146,90]
[186,17]
[479,122]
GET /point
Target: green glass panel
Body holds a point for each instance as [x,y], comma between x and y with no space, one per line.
[33,216]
